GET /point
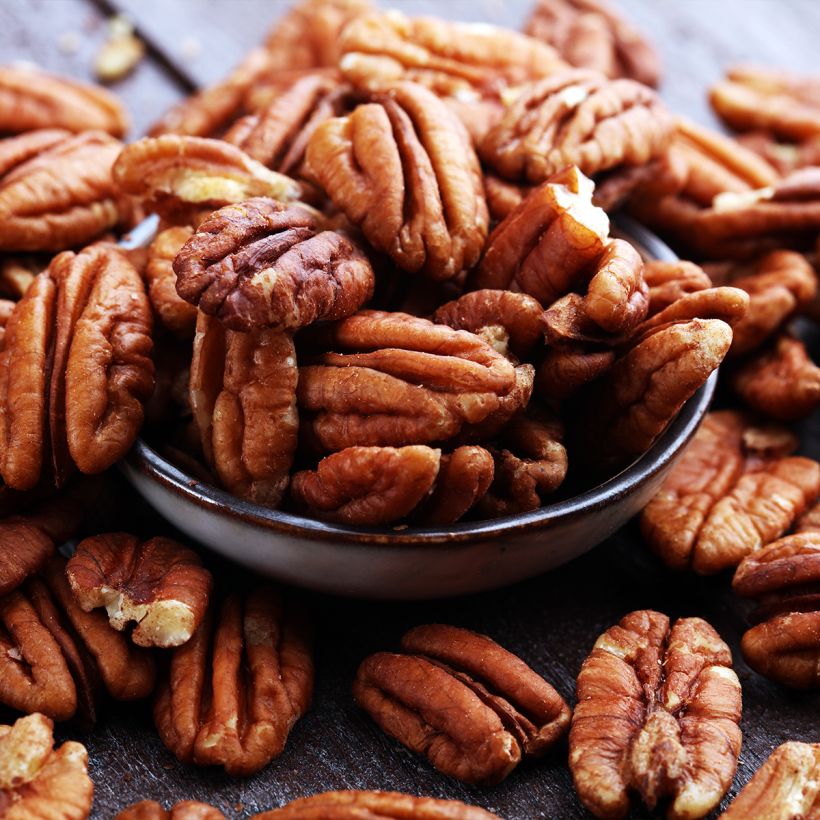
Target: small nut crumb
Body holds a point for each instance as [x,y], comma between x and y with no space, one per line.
[120,53]
[68,42]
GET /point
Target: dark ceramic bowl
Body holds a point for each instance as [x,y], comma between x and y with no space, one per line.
[416,562]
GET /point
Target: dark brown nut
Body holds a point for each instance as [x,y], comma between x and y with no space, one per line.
[235,690]
[367,486]
[657,714]
[358,805]
[60,196]
[518,314]
[549,243]
[158,585]
[403,170]
[32,99]
[464,477]
[734,490]
[752,98]
[173,312]
[266,264]
[669,281]
[184,810]
[243,396]
[781,382]
[566,368]
[473,708]
[578,118]
[414,382]
[54,657]
[786,786]
[37,780]
[590,34]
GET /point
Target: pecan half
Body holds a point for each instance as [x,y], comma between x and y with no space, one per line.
[658,713]
[503,197]
[16,274]
[6,309]
[402,169]
[670,281]
[57,194]
[37,780]
[464,477]
[473,708]
[265,264]
[243,396]
[784,157]
[235,690]
[578,118]
[184,810]
[787,785]
[566,368]
[31,98]
[734,490]
[172,310]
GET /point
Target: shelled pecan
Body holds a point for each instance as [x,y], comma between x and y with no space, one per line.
[171,309]
[184,810]
[735,489]
[670,281]
[657,714]
[234,691]
[473,708]
[463,479]
[567,368]
[784,157]
[38,780]
[6,309]
[16,274]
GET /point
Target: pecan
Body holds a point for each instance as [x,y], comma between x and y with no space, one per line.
[235,690]
[56,194]
[265,264]
[402,169]
[184,810]
[566,368]
[590,34]
[669,281]
[503,197]
[578,118]
[616,298]
[6,309]
[31,98]
[734,490]
[359,805]
[243,397]
[414,383]
[658,177]
[37,780]
[658,712]
[786,786]
[784,157]
[784,578]
[16,274]
[54,657]
[159,585]
[473,708]
[173,312]
[464,477]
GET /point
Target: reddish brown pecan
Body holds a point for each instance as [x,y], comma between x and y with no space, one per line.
[16,274]
[243,396]
[235,690]
[784,157]
[464,477]
[566,368]
[184,810]
[6,309]
[56,193]
[590,34]
[158,585]
[657,714]
[503,197]
[578,118]
[173,312]
[734,490]
[31,98]
[402,169]
[669,281]
[37,780]
[473,708]
[265,264]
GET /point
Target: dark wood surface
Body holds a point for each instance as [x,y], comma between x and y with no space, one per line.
[551,621]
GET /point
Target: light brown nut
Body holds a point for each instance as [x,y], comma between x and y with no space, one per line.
[786,786]
[473,708]
[786,104]
[55,657]
[158,585]
[578,118]
[367,486]
[734,490]
[590,34]
[243,396]
[402,169]
[57,195]
[669,281]
[503,197]
[235,690]
[37,780]
[359,805]
[184,810]
[31,98]
[399,380]
[657,714]
[262,264]
[463,479]
[174,313]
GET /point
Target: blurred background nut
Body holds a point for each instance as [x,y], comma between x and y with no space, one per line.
[234,691]
[38,780]
[658,712]
[184,810]
[173,312]
[158,585]
[473,708]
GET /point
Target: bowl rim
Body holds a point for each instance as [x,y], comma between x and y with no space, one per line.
[145,460]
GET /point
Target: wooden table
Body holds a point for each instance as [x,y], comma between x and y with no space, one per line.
[550,621]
